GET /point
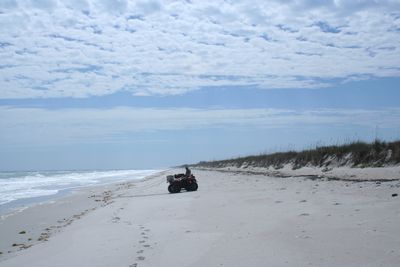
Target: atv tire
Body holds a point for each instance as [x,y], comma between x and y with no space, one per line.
[170,189]
[174,189]
[192,187]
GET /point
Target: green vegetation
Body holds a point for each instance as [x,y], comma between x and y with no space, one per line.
[357,154]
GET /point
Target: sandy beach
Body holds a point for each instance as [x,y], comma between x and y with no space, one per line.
[234,219]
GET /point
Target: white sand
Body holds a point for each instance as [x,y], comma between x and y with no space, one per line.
[234,219]
[340,173]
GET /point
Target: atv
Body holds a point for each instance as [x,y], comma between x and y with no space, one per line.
[179,181]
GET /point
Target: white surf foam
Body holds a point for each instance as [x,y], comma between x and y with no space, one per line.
[15,186]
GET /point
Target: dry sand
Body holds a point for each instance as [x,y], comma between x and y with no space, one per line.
[345,173]
[234,219]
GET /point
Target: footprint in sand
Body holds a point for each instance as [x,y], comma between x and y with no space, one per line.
[133,265]
[303,237]
[140,258]
[302,201]
[278,201]
[140,251]
[146,246]
[142,241]
[304,214]
[116,219]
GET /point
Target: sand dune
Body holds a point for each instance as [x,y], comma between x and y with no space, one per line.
[234,219]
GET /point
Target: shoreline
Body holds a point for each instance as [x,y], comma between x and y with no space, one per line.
[23,203]
[27,188]
[15,206]
[41,217]
[234,219]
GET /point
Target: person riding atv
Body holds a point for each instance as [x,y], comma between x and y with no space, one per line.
[188,171]
[179,181]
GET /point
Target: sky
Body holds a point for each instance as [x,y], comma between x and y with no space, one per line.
[117,84]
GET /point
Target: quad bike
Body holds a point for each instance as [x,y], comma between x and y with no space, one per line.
[179,181]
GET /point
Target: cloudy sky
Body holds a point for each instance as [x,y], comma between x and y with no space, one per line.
[147,84]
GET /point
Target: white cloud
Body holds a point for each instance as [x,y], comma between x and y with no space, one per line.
[38,127]
[79,5]
[8,4]
[147,7]
[112,6]
[47,5]
[52,48]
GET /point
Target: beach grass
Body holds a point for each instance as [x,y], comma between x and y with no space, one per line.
[355,154]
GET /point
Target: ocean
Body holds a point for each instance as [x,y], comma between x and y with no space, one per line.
[28,187]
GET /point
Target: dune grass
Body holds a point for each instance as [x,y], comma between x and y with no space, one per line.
[355,154]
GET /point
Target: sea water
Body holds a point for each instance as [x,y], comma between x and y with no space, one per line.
[27,187]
